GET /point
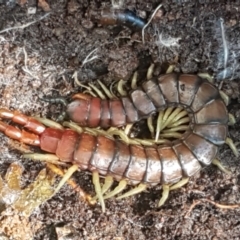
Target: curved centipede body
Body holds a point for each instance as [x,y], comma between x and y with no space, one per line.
[136,164]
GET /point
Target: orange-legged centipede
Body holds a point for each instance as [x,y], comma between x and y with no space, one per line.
[136,164]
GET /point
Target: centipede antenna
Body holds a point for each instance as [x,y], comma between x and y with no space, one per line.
[165,194]
[104,88]
[179,184]
[230,143]
[134,80]
[159,124]
[231,119]
[150,71]
[99,93]
[66,177]
[120,88]
[149,21]
[96,183]
[217,163]
[121,186]
[49,123]
[141,187]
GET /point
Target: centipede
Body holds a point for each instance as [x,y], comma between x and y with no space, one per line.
[169,164]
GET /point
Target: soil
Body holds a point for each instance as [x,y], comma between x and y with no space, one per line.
[39,59]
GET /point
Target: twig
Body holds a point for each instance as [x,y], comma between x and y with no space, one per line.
[88,59]
[25,68]
[25,25]
[149,21]
[225,47]
[218,205]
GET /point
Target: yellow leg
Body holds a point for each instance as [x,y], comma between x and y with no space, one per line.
[225,97]
[97,186]
[231,119]
[165,195]
[179,184]
[206,76]
[120,88]
[159,124]
[134,81]
[150,125]
[171,118]
[176,129]
[49,158]
[105,89]
[217,163]
[121,186]
[141,187]
[73,126]
[99,92]
[66,177]
[230,143]
[168,188]
[150,72]
[49,123]
[107,184]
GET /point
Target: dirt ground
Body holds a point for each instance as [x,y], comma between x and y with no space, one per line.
[39,53]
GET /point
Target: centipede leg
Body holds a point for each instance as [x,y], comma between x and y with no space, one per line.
[121,186]
[217,163]
[120,88]
[66,177]
[159,123]
[150,72]
[106,91]
[141,187]
[134,81]
[179,184]
[230,143]
[231,119]
[107,184]
[225,97]
[165,195]
[49,123]
[168,188]
[49,158]
[150,125]
[207,76]
[97,186]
